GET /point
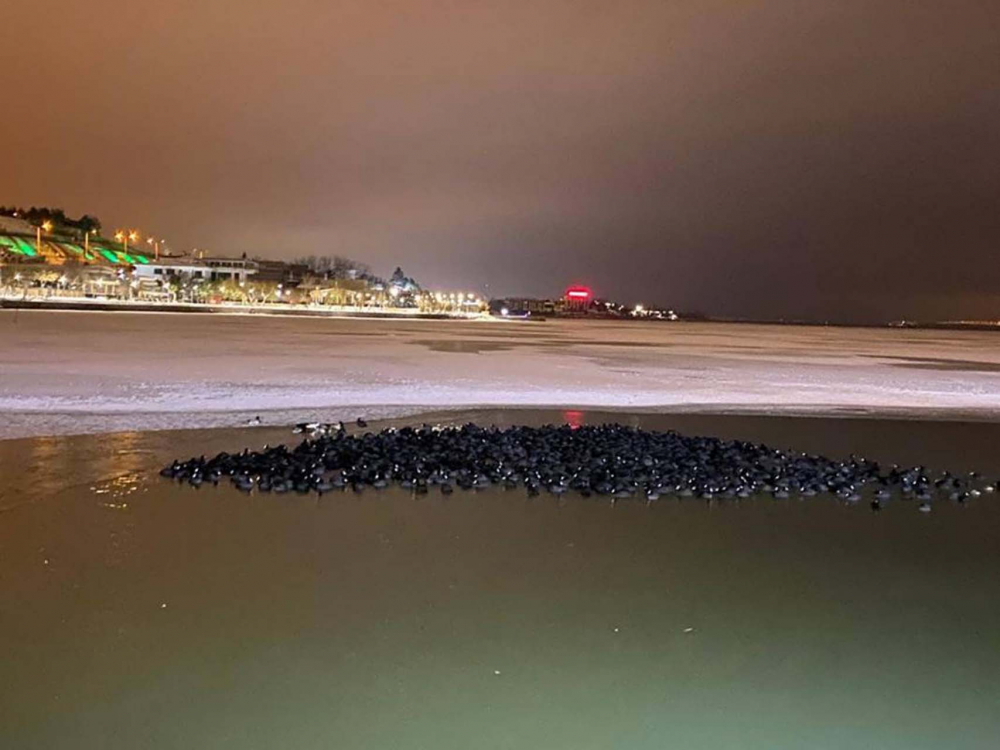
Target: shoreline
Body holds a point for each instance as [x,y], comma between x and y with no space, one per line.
[88,305]
[306,311]
[389,415]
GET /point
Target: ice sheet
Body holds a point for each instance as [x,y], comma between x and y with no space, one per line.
[74,372]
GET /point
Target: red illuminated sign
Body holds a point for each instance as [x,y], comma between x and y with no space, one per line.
[579,293]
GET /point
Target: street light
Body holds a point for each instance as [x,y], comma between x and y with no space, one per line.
[47,226]
[124,237]
[86,242]
[156,245]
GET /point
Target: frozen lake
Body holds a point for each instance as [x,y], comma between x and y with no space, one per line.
[73,372]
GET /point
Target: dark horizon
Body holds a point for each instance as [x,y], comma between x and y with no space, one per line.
[798,161]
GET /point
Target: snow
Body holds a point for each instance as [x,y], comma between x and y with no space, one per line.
[73,372]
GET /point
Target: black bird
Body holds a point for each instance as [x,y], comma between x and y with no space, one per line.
[608,460]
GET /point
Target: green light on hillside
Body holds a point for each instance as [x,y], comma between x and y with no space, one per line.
[8,243]
[26,249]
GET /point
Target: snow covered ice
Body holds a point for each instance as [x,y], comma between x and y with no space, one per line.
[72,372]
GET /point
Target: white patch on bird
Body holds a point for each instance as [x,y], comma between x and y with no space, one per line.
[496,671]
[688,630]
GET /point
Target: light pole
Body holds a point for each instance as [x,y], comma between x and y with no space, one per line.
[123,237]
[47,226]
[86,242]
[156,245]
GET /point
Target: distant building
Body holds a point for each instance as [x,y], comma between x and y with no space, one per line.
[230,269]
[578,298]
[280,272]
[101,281]
[522,306]
[168,268]
[577,301]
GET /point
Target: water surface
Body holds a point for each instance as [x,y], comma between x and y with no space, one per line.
[138,613]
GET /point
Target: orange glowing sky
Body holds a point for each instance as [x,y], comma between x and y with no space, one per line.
[798,159]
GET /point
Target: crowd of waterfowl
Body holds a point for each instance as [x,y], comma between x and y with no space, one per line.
[608,460]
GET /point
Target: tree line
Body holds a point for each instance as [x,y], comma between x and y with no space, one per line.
[339,268]
[40,214]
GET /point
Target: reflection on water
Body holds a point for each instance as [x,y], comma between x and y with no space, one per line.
[115,464]
[120,487]
[123,457]
[205,618]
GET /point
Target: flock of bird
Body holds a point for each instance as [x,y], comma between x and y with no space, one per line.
[608,460]
[313,428]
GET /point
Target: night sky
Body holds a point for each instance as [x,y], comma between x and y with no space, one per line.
[812,159]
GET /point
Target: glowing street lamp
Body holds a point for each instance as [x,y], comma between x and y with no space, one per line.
[124,237]
[86,241]
[156,245]
[47,226]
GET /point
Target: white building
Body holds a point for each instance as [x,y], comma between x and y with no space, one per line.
[167,268]
[230,269]
[205,269]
